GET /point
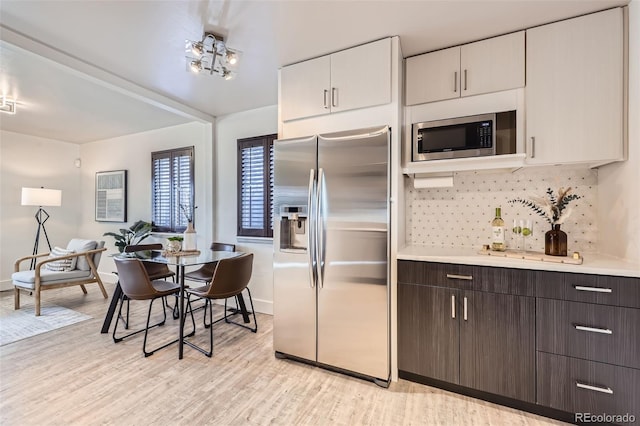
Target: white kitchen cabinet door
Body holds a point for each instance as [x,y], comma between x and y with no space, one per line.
[433,76]
[492,65]
[361,76]
[574,93]
[305,89]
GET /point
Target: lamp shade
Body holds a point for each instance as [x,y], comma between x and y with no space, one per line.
[41,197]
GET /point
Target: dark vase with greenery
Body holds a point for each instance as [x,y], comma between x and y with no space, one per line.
[555,241]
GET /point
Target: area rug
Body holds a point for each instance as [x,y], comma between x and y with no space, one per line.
[21,324]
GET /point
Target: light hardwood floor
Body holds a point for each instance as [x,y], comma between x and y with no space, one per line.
[77,376]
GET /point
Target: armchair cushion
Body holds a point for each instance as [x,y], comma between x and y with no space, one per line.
[78,246]
[67,264]
[27,279]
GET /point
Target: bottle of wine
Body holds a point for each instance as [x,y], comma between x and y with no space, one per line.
[497,232]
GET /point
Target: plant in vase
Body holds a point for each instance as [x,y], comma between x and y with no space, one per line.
[174,244]
[554,208]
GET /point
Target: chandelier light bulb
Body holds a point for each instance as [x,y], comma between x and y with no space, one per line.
[232,57]
[197,49]
[196,66]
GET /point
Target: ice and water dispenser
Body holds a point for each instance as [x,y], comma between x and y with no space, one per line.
[294,227]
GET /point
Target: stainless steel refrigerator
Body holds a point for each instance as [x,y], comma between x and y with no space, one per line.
[331,251]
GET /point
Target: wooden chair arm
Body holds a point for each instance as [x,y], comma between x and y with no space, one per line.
[22,259]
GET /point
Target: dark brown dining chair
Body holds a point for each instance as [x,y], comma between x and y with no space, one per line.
[156,271]
[136,285]
[205,272]
[230,277]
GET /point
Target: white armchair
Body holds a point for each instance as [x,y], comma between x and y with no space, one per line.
[78,267]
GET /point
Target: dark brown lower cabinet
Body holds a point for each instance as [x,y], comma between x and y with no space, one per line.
[497,350]
[480,340]
[580,386]
[562,344]
[428,333]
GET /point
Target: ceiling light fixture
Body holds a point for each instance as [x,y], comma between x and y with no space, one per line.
[7,105]
[213,55]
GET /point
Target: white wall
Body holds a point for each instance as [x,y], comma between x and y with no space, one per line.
[133,153]
[230,128]
[619,191]
[29,161]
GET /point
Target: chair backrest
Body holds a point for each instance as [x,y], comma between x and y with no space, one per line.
[231,276]
[223,247]
[142,247]
[134,280]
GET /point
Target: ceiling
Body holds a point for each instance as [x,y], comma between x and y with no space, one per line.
[142,44]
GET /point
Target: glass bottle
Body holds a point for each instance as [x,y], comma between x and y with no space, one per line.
[497,232]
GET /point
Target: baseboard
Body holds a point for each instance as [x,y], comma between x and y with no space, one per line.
[6,285]
[260,305]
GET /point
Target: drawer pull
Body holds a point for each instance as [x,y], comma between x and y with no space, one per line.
[593,329]
[594,388]
[459,277]
[592,289]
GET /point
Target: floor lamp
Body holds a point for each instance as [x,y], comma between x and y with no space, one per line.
[42,198]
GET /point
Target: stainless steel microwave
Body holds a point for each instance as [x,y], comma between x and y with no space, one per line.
[472,136]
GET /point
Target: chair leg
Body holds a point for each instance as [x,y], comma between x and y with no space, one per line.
[208,353]
[16,298]
[37,297]
[84,289]
[121,338]
[253,312]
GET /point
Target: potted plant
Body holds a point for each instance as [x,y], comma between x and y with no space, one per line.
[174,244]
[132,235]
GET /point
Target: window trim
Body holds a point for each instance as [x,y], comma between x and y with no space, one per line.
[266,142]
[172,153]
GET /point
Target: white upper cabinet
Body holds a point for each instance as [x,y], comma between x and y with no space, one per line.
[485,66]
[354,78]
[492,65]
[433,76]
[304,88]
[574,94]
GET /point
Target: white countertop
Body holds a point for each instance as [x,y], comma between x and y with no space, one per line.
[593,263]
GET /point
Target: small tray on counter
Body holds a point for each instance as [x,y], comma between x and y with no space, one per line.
[533,255]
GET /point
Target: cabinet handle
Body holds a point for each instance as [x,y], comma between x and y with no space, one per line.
[464,315]
[593,289]
[593,329]
[334,97]
[326,104]
[459,277]
[533,146]
[453,306]
[465,79]
[455,82]
[594,388]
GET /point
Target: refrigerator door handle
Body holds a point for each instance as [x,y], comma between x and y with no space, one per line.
[311,234]
[320,231]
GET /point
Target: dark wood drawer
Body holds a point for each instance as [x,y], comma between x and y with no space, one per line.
[467,277]
[580,386]
[593,332]
[600,289]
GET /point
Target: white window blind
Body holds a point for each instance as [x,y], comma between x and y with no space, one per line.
[255,186]
[172,185]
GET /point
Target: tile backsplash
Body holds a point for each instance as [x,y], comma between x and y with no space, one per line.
[461,216]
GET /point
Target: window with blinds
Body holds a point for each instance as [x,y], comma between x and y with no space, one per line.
[172,189]
[255,186]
